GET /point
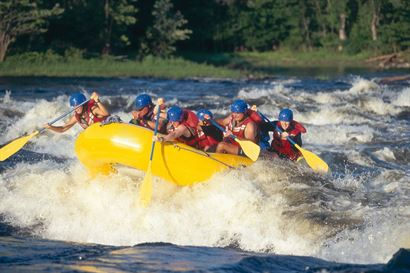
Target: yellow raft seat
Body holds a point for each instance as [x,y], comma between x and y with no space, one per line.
[99,147]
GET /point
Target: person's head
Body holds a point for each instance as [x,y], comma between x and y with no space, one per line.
[203,116]
[175,114]
[142,104]
[239,109]
[77,99]
[285,117]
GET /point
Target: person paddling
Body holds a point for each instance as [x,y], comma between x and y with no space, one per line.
[91,112]
[240,124]
[208,134]
[145,114]
[285,127]
[182,127]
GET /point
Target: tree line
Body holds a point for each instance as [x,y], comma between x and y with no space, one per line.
[138,28]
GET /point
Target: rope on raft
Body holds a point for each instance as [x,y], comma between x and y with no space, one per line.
[203,153]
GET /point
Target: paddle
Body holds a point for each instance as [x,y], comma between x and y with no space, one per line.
[146,186]
[314,161]
[15,145]
[251,149]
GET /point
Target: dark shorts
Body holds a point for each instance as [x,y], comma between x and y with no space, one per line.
[211,149]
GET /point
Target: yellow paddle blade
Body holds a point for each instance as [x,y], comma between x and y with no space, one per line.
[15,145]
[146,187]
[315,162]
[251,149]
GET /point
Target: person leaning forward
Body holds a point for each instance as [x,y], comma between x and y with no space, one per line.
[182,127]
[91,112]
[208,134]
[145,113]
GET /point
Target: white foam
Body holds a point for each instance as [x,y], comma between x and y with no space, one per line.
[378,106]
[254,93]
[360,85]
[7,97]
[106,210]
[251,208]
[403,98]
[382,237]
[254,208]
[385,154]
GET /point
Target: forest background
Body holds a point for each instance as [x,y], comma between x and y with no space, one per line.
[184,38]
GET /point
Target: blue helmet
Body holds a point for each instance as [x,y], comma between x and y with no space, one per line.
[77,99]
[201,113]
[175,113]
[239,106]
[142,100]
[285,115]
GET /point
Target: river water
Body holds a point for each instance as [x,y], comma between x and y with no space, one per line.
[274,216]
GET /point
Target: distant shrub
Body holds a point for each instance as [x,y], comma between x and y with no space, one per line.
[36,57]
[73,53]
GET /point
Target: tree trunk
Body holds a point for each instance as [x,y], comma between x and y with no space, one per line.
[320,16]
[375,19]
[4,44]
[342,30]
[107,32]
[308,41]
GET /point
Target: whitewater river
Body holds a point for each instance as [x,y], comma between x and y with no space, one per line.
[273,216]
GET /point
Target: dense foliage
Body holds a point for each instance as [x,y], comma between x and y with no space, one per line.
[146,27]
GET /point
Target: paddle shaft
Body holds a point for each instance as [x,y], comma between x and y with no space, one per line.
[155,133]
[15,145]
[146,185]
[64,115]
[214,123]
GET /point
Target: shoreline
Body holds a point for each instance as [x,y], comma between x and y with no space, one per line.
[243,65]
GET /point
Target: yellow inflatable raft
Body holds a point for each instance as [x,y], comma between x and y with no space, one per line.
[99,147]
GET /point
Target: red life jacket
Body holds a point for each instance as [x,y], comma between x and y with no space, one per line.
[254,116]
[86,118]
[237,129]
[282,146]
[190,121]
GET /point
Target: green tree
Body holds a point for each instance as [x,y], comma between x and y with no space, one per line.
[117,13]
[22,17]
[166,31]
[303,24]
[395,26]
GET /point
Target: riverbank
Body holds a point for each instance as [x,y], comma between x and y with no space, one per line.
[188,65]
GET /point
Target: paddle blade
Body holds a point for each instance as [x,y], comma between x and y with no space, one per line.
[251,149]
[146,187]
[15,145]
[315,162]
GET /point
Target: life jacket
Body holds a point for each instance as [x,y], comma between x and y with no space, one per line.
[190,121]
[283,147]
[86,118]
[237,129]
[254,116]
[207,140]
